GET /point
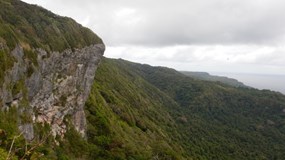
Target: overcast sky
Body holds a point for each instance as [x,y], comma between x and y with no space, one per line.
[245,36]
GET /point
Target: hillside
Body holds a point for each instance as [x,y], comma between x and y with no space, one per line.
[137,111]
[52,106]
[127,116]
[34,27]
[207,77]
[191,118]
[48,64]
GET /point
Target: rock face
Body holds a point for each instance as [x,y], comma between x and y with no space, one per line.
[54,87]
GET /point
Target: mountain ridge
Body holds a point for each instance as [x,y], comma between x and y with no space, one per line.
[208,77]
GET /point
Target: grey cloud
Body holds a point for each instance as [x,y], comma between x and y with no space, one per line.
[171,22]
[219,23]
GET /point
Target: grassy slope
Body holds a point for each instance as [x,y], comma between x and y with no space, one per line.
[208,120]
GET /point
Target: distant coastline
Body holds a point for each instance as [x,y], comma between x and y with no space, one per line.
[259,81]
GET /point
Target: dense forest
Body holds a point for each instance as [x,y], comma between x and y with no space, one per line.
[34,27]
[136,111]
[188,118]
[207,77]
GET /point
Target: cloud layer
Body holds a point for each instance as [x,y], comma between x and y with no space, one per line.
[212,58]
[215,35]
[172,22]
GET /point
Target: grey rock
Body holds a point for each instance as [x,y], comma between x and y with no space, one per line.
[27,130]
[59,86]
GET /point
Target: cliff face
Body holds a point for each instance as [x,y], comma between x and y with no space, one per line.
[56,89]
[47,66]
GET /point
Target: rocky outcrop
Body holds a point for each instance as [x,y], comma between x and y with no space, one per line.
[52,88]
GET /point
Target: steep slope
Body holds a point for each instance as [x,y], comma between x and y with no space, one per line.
[232,123]
[127,118]
[36,27]
[48,65]
[134,111]
[207,77]
[207,120]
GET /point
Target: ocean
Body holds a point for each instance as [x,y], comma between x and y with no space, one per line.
[259,81]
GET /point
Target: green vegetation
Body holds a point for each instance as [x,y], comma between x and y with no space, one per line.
[135,111]
[141,112]
[126,119]
[6,62]
[8,130]
[43,146]
[32,27]
[207,77]
[4,154]
[221,122]
[130,104]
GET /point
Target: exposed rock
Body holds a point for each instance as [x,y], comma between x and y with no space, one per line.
[58,86]
[27,130]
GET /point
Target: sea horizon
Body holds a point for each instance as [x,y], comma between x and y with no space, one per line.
[273,82]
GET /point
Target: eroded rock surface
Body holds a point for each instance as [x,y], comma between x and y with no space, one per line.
[56,87]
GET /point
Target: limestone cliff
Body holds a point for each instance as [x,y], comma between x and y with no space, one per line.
[58,87]
[48,64]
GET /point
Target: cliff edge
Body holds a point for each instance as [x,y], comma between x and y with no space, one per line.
[48,64]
